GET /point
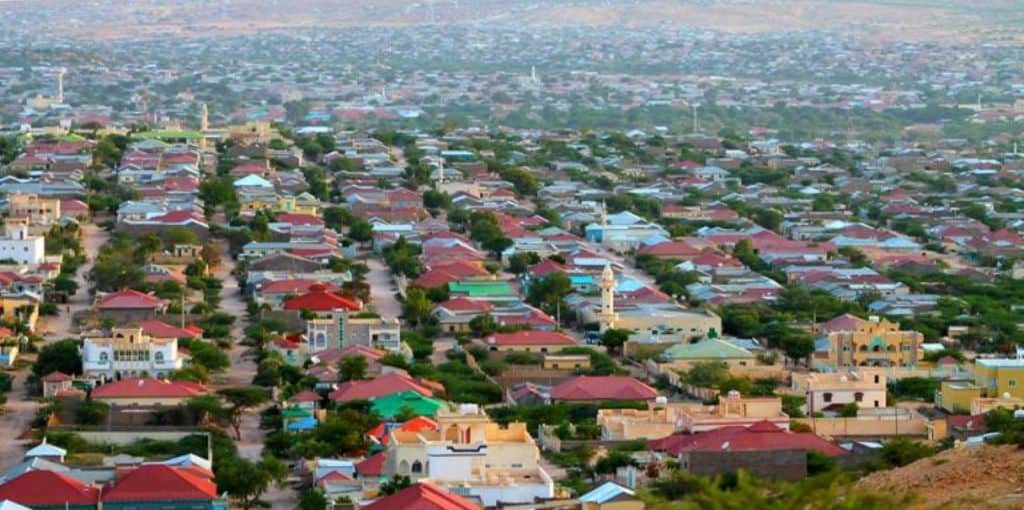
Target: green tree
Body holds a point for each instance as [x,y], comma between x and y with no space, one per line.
[614,339]
[239,400]
[246,481]
[435,199]
[61,356]
[312,499]
[416,307]
[361,231]
[549,292]
[520,262]
[394,484]
[352,368]
[483,325]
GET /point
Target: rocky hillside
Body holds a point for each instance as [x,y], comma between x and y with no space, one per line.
[984,477]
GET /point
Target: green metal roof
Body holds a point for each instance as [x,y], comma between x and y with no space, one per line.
[390,405]
[488,288]
[169,134]
[711,348]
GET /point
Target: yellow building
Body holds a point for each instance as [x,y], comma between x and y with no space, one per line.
[472,456]
[303,203]
[21,307]
[957,396]
[998,377]
[662,419]
[873,343]
[997,383]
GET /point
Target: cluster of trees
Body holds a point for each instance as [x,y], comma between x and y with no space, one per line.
[773,325]
[342,433]
[670,280]
[484,229]
[644,206]
[548,293]
[402,257]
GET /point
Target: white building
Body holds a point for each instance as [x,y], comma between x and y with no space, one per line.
[830,391]
[128,352]
[472,456]
[19,246]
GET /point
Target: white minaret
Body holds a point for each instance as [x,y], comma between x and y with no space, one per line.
[204,118]
[440,172]
[607,285]
[533,74]
[60,85]
[603,215]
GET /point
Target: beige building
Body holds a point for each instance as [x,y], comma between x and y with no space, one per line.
[650,322]
[663,419]
[37,210]
[873,343]
[833,390]
[473,456]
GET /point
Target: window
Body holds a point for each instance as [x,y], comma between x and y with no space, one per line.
[859,397]
[827,397]
[417,467]
[876,379]
[104,357]
[158,357]
[1012,383]
[876,403]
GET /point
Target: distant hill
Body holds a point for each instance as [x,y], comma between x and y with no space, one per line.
[938,20]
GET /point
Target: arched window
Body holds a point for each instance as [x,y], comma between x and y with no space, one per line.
[104,357]
[417,467]
[158,357]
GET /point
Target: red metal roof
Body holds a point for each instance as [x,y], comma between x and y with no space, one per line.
[422,496]
[299,219]
[129,299]
[56,377]
[464,304]
[609,387]
[294,286]
[47,488]
[760,436]
[148,388]
[372,465]
[161,329]
[159,482]
[320,300]
[379,387]
[531,337]
[305,396]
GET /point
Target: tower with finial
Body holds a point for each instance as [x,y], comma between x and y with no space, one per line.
[440,172]
[607,286]
[204,118]
[603,214]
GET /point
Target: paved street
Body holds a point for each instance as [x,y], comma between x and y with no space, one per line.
[241,372]
[18,413]
[56,328]
[19,409]
[382,289]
